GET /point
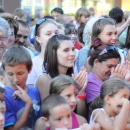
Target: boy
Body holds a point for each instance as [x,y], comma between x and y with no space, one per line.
[22,102]
[56,114]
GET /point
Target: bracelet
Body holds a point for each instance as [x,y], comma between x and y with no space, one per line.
[82,97]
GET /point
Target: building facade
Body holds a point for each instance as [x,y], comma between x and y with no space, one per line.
[39,8]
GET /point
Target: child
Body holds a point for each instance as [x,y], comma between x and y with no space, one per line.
[22,102]
[82,16]
[56,113]
[66,87]
[113,105]
[2,109]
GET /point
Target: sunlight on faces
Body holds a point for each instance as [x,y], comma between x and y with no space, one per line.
[66,54]
[60,117]
[123,93]
[104,68]
[70,94]
[17,75]
[109,35]
[2,111]
[46,32]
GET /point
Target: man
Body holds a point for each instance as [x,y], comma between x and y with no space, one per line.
[22,36]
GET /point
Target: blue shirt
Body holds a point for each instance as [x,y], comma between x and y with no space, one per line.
[15,107]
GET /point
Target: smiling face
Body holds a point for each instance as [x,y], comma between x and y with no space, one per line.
[109,35]
[103,69]
[16,75]
[66,54]
[60,117]
[70,94]
[22,35]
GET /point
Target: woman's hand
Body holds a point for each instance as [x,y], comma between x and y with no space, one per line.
[127,67]
[119,72]
[81,79]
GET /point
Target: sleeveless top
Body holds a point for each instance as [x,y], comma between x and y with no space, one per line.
[75,123]
[92,119]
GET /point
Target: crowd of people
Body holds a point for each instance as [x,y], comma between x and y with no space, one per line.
[64,72]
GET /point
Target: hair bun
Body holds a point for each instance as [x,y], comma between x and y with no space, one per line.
[97,42]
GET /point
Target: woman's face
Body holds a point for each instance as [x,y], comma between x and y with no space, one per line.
[109,35]
[103,69]
[66,54]
[11,38]
[46,32]
[70,94]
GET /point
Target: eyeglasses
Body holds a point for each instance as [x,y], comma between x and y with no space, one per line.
[2,39]
[19,36]
[109,48]
[38,24]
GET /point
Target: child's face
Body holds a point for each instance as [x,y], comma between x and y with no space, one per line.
[84,19]
[16,75]
[2,111]
[109,35]
[70,94]
[123,93]
[60,117]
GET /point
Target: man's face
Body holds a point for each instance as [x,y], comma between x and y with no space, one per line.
[22,35]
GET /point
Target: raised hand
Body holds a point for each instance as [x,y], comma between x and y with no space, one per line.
[127,67]
[119,72]
[21,94]
[81,79]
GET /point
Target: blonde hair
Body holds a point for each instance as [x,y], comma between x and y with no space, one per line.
[80,12]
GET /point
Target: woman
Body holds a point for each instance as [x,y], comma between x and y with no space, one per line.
[105,29]
[102,59]
[59,59]
[44,30]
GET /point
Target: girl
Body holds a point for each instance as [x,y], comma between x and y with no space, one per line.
[105,29]
[59,59]
[44,29]
[66,87]
[82,16]
[113,105]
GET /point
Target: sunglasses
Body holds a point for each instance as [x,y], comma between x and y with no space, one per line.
[38,24]
[109,48]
